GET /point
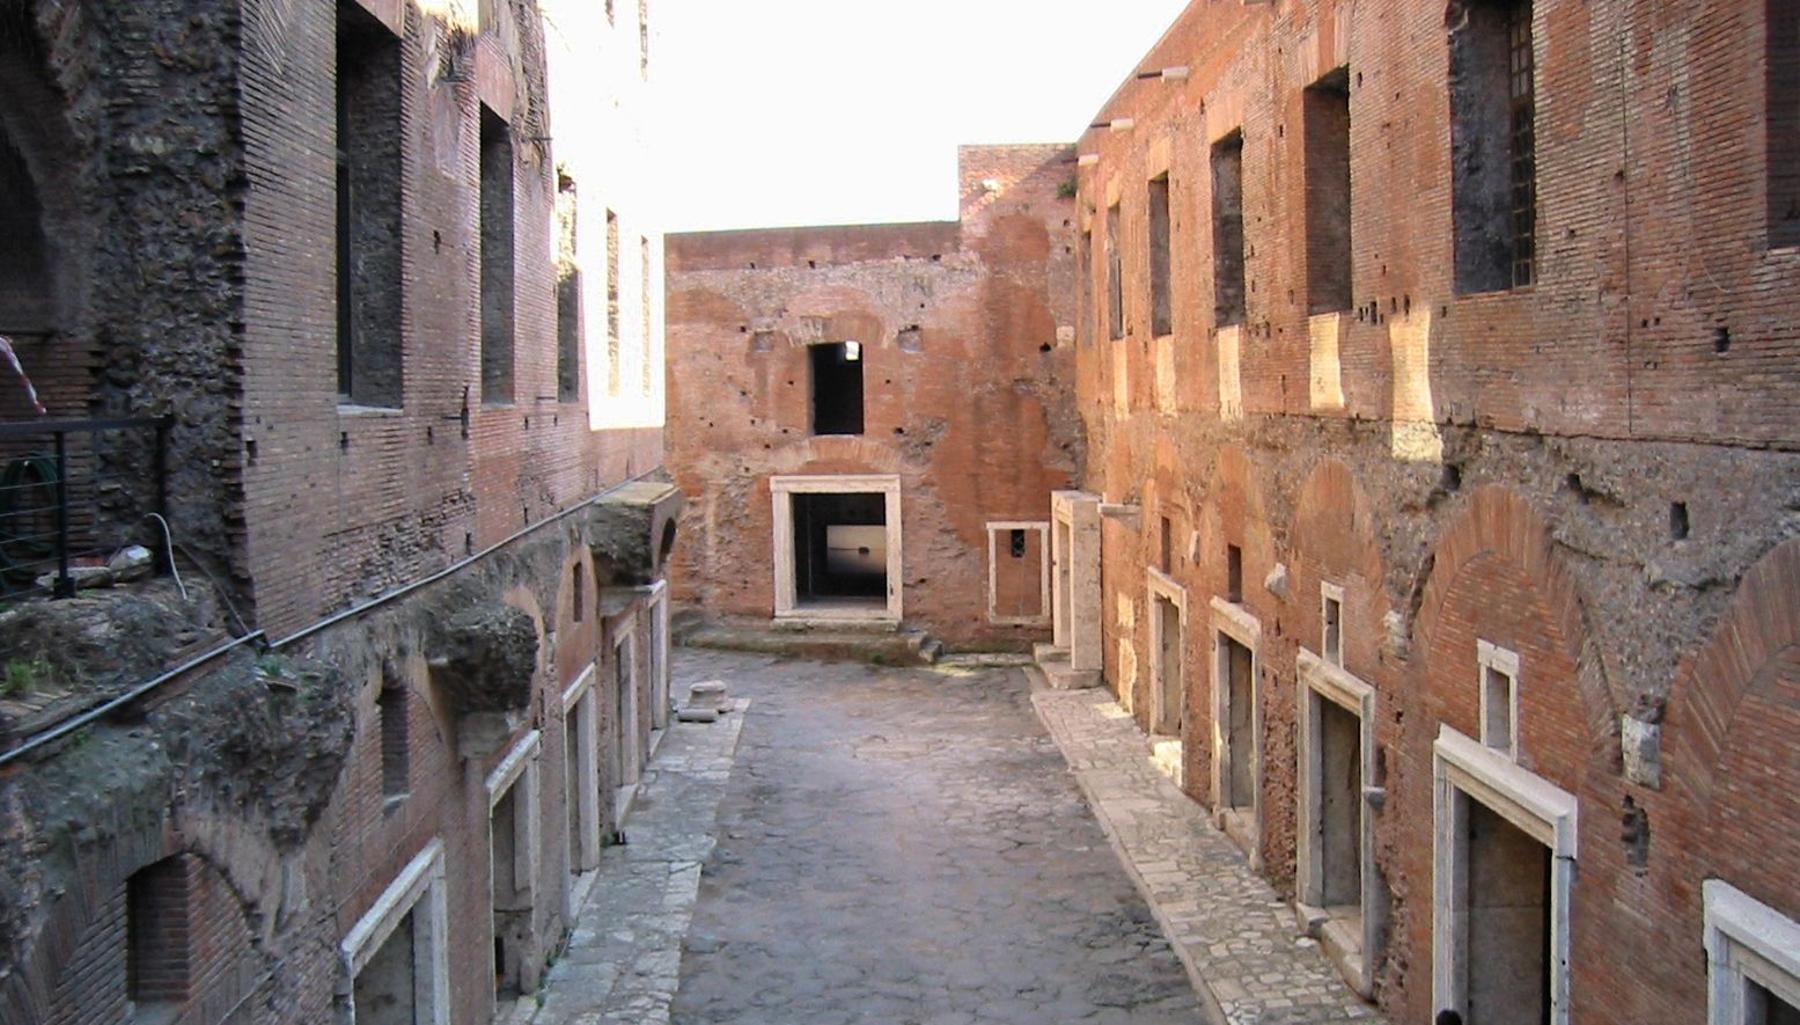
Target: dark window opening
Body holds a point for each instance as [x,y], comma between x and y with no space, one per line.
[1678,521]
[1333,642]
[1234,573]
[369,291]
[568,293]
[157,933]
[1493,112]
[840,547]
[1230,304]
[1327,116]
[1783,121]
[25,278]
[837,388]
[391,709]
[1763,1007]
[613,346]
[1115,284]
[1018,544]
[577,592]
[1162,311]
[497,311]
[1084,296]
[1166,548]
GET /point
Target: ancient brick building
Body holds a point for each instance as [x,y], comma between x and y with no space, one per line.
[867,421]
[1437,380]
[400,301]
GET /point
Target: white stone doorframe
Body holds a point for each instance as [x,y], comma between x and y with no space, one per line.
[580,701]
[625,678]
[1234,621]
[1746,941]
[1321,681]
[519,768]
[1465,770]
[1159,585]
[1075,578]
[994,528]
[781,492]
[656,610]
[420,885]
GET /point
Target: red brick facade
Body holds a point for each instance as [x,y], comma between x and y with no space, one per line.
[1588,472]
[359,538]
[964,329]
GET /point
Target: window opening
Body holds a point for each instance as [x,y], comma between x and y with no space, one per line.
[1783,121]
[1328,252]
[497,312]
[1332,646]
[837,379]
[1493,144]
[1162,316]
[369,292]
[1229,300]
[1115,285]
[1234,573]
[568,293]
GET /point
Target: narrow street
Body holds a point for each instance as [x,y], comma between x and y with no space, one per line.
[893,845]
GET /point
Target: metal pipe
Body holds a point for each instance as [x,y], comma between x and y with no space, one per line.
[454,567]
[70,725]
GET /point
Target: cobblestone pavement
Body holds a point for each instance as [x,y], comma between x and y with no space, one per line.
[1235,934]
[624,954]
[906,847]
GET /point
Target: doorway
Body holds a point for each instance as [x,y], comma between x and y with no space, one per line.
[1235,663]
[840,549]
[837,547]
[1507,922]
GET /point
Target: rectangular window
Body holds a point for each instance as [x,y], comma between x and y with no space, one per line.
[1331,646]
[1234,573]
[1327,126]
[1162,312]
[1017,543]
[613,372]
[837,388]
[1499,697]
[1493,113]
[157,934]
[1783,120]
[497,213]
[568,293]
[1115,285]
[369,291]
[1230,304]
[1084,295]
[396,758]
[1165,553]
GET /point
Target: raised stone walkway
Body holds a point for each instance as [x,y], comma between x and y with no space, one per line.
[623,961]
[1228,926]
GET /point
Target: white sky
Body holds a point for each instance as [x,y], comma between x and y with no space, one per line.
[787,112]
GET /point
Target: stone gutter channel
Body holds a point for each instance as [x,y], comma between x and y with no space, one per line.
[1231,930]
[623,960]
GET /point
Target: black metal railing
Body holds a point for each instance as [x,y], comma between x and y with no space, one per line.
[73,493]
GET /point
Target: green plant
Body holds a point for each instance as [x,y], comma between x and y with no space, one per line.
[23,676]
[1067,189]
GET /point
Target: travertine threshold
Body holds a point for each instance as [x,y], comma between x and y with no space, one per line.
[1230,929]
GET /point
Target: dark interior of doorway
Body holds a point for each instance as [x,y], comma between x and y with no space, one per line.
[840,548]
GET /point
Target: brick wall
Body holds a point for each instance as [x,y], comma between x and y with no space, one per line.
[959,327]
[1585,471]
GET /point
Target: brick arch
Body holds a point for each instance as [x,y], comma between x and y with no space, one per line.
[29,995]
[1333,529]
[1752,651]
[1499,529]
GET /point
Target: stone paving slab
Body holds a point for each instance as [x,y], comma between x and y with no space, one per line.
[1235,935]
[903,847]
[623,960]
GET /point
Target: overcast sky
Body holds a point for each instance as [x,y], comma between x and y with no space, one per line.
[784,112]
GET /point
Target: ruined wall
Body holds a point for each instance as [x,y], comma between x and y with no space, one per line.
[209,137]
[1585,470]
[964,330]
